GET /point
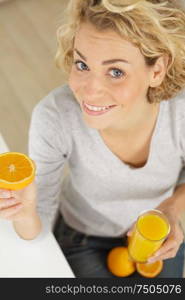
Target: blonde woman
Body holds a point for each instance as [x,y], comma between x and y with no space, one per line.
[119,124]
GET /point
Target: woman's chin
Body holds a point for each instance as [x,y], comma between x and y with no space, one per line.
[94,123]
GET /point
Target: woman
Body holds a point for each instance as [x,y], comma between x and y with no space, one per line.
[119,124]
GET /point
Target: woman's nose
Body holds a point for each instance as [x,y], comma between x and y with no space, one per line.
[94,86]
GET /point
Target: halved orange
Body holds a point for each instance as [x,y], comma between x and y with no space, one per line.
[17,170]
[119,263]
[149,270]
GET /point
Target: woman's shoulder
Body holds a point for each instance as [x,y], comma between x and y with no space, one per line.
[60,99]
[54,117]
[58,114]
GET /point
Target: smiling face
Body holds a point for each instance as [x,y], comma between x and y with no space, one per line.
[109,71]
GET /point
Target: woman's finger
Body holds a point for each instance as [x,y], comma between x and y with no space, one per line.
[5,203]
[168,245]
[173,241]
[7,212]
[169,254]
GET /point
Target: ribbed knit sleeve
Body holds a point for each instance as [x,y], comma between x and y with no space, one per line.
[48,148]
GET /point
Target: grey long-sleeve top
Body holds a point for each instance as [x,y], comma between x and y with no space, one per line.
[101,195]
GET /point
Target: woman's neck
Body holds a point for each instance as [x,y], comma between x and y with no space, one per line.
[141,121]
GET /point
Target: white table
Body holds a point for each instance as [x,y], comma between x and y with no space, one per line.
[37,258]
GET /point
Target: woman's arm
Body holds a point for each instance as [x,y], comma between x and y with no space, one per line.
[48,148]
[19,206]
[29,227]
[172,207]
[175,203]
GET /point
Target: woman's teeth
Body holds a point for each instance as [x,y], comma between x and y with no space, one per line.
[95,108]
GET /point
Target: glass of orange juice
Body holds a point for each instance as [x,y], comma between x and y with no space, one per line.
[151,229]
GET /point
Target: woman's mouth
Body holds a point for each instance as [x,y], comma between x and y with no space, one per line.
[96,110]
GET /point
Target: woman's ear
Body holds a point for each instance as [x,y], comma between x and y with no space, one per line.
[158,71]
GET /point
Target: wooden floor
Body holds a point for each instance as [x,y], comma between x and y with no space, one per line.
[27,69]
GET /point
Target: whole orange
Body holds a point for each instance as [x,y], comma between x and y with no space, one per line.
[119,263]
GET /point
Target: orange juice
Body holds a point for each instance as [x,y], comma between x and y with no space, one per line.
[151,229]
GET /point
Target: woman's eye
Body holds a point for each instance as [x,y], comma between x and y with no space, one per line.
[116,73]
[80,65]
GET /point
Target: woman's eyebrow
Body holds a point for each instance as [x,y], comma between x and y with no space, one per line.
[105,62]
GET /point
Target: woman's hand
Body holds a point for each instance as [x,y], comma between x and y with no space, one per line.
[175,238]
[171,245]
[18,205]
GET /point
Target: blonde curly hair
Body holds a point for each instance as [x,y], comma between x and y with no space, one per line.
[156,27]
